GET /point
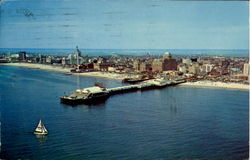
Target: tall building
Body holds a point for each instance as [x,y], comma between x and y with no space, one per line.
[207,68]
[157,65]
[194,68]
[246,69]
[42,58]
[22,56]
[48,59]
[145,67]
[78,52]
[182,68]
[136,65]
[75,58]
[168,62]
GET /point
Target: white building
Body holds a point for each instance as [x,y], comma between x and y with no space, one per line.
[48,59]
[186,61]
[207,68]
[111,69]
[75,58]
[246,69]
[182,69]
[14,55]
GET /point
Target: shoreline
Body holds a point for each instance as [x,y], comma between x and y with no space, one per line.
[38,66]
[67,70]
[108,75]
[221,85]
[116,76]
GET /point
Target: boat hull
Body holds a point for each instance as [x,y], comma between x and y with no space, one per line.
[133,81]
[40,133]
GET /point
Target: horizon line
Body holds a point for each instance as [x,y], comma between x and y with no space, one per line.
[136,48]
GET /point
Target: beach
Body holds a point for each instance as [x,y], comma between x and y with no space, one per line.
[106,75]
[122,76]
[217,85]
[67,70]
[38,66]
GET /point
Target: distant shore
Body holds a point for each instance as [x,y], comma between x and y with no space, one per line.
[122,76]
[212,84]
[67,70]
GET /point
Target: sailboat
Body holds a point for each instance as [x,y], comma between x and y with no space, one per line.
[40,129]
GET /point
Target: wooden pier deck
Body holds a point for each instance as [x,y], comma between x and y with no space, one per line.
[150,84]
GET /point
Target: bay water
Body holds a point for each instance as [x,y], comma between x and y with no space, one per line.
[174,123]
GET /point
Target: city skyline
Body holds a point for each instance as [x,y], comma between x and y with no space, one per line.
[124,25]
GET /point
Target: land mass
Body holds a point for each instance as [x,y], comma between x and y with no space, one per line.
[202,83]
[67,71]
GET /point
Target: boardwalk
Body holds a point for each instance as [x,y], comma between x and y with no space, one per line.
[150,84]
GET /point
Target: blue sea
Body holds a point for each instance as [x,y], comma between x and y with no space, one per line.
[135,52]
[174,123]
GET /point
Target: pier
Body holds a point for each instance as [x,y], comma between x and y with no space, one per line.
[150,84]
[94,94]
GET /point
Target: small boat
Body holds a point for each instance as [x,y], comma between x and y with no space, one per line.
[68,73]
[134,80]
[40,129]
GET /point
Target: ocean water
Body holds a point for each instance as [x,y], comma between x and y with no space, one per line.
[136,52]
[174,123]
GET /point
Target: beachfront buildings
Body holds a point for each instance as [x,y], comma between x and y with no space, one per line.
[167,63]
[246,69]
[207,68]
[182,67]
[194,68]
[76,57]
[22,56]
[157,65]
[226,69]
[142,65]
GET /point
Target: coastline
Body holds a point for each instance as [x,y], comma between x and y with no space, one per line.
[211,84]
[117,76]
[67,70]
[38,66]
[105,75]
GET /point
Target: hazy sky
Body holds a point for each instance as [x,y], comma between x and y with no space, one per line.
[124,24]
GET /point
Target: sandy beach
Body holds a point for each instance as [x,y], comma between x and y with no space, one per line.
[217,85]
[105,75]
[67,70]
[122,76]
[38,66]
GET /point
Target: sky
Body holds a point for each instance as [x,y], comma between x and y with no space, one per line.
[124,24]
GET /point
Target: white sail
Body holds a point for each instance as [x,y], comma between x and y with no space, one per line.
[45,130]
[40,129]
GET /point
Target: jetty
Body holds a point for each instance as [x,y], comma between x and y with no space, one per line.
[149,84]
[94,94]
